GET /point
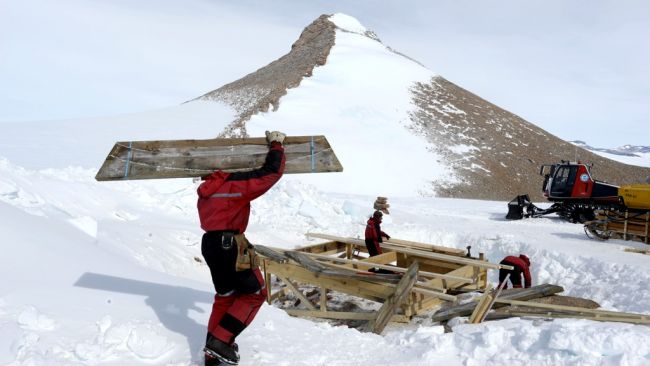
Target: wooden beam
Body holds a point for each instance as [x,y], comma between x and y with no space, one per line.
[276,255]
[323,247]
[297,292]
[383,258]
[481,308]
[427,247]
[419,287]
[276,295]
[573,309]
[494,298]
[267,281]
[641,251]
[323,299]
[366,290]
[391,268]
[394,301]
[419,253]
[551,314]
[344,315]
[196,158]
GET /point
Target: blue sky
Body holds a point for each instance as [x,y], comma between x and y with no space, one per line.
[579,69]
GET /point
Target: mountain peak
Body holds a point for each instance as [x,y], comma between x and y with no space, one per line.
[347,23]
[261,90]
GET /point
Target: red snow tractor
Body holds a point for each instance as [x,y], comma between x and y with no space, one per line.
[574,193]
[607,210]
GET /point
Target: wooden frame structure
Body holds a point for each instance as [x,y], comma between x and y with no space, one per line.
[419,277]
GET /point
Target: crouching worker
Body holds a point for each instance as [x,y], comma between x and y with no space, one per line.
[521,266]
[224,209]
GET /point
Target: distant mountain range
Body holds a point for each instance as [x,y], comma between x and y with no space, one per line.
[625,150]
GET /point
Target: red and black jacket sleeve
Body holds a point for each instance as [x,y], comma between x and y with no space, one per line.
[255,183]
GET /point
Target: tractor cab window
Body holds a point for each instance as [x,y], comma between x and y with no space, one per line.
[563,181]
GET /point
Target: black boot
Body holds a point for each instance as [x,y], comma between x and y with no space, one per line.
[223,352]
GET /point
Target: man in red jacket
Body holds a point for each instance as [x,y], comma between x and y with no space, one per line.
[521,266]
[374,234]
[224,208]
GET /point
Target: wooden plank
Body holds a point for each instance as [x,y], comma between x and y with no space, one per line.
[481,308]
[419,253]
[366,290]
[551,314]
[321,269]
[323,247]
[323,299]
[495,296]
[642,251]
[267,281]
[196,158]
[383,258]
[344,315]
[273,254]
[392,268]
[276,295]
[518,294]
[427,247]
[297,292]
[394,301]
[573,309]
[421,288]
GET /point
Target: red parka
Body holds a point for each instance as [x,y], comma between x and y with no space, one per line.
[374,233]
[523,265]
[224,198]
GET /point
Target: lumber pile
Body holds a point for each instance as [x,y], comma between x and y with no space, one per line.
[537,301]
[534,292]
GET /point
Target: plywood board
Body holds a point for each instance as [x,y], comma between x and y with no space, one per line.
[196,158]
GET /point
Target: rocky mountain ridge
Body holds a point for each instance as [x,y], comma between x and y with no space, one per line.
[489,153]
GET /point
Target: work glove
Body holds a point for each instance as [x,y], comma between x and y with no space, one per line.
[275,136]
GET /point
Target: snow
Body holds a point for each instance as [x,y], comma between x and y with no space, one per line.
[112,274]
[347,23]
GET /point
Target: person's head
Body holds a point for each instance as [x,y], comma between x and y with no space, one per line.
[525,259]
[377,215]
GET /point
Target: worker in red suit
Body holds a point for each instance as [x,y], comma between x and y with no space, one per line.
[521,266]
[224,208]
[374,234]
